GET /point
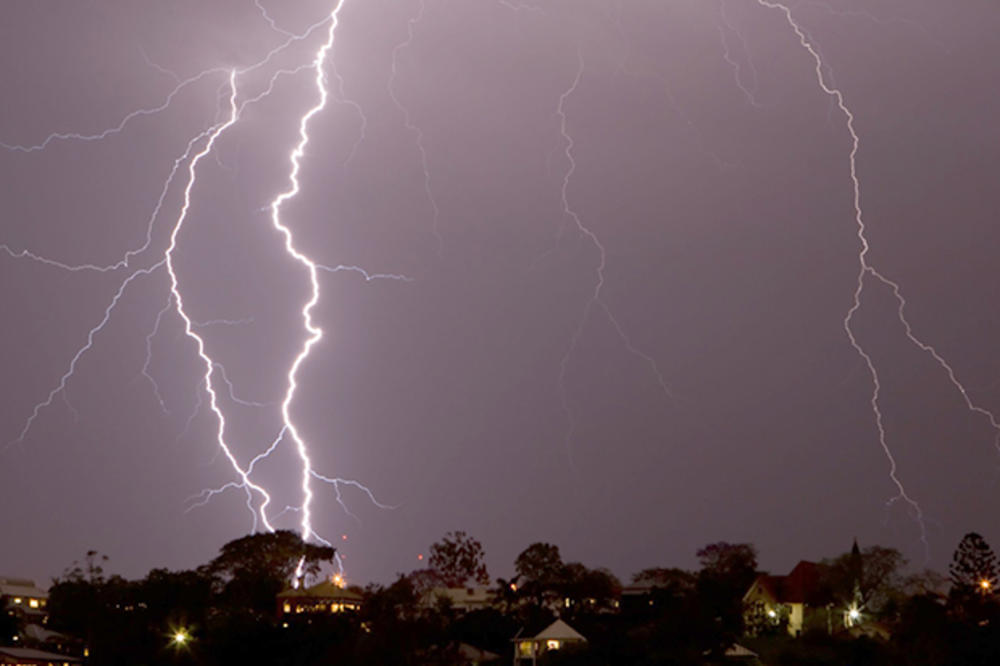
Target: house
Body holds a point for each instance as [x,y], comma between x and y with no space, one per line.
[556,636]
[797,598]
[330,596]
[740,654]
[470,655]
[37,636]
[29,657]
[463,599]
[24,598]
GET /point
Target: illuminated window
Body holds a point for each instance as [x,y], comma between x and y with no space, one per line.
[553,645]
[287,608]
[33,603]
[17,600]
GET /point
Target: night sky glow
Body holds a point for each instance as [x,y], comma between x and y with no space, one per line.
[627,277]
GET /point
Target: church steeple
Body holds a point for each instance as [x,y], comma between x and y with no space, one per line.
[857,571]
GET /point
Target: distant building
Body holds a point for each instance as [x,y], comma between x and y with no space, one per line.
[796,598]
[39,637]
[470,655]
[325,597]
[556,636]
[740,654]
[30,657]
[25,599]
[463,599]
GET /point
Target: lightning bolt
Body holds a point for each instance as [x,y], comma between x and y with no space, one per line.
[222,322]
[138,113]
[678,109]
[178,300]
[205,496]
[596,298]
[411,127]
[725,27]
[342,98]
[149,355]
[61,386]
[232,390]
[126,259]
[315,333]
[197,148]
[521,7]
[128,256]
[336,483]
[270,21]
[881,22]
[866,269]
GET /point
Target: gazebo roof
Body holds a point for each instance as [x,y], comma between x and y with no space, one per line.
[559,631]
[325,590]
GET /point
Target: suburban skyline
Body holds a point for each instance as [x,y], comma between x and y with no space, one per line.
[627,278]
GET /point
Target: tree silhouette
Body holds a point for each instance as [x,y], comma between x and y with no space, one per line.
[273,555]
[458,558]
[539,563]
[255,568]
[973,573]
[869,578]
[734,564]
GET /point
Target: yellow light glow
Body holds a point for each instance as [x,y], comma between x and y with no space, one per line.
[181,637]
[553,645]
[17,600]
[772,614]
[513,587]
[985,584]
[33,603]
[338,580]
[854,614]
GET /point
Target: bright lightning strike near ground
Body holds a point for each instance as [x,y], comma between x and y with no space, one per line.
[867,271]
[258,497]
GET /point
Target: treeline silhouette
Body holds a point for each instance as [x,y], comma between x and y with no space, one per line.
[226,611]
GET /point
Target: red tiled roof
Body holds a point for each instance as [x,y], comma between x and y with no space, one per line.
[801,585]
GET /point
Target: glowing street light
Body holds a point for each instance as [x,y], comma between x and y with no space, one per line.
[180,638]
[985,585]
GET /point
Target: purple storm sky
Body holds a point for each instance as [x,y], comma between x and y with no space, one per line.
[699,148]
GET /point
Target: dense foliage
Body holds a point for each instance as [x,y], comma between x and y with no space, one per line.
[667,616]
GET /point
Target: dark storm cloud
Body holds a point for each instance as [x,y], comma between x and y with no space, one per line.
[732,256]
